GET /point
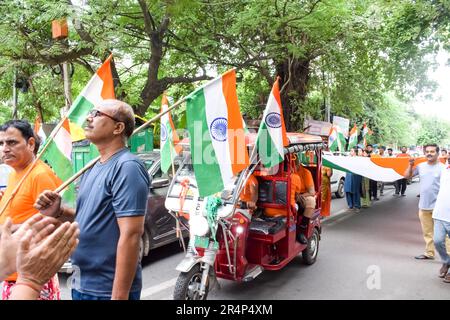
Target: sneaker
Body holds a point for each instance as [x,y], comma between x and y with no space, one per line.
[357,209]
[447,278]
[423,257]
[403,195]
[396,194]
[376,199]
[443,270]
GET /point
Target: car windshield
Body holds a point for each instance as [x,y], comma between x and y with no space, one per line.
[184,175]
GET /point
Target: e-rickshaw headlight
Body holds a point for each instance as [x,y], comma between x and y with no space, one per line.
[198,225]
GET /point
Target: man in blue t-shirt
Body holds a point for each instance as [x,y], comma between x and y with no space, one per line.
[110,210]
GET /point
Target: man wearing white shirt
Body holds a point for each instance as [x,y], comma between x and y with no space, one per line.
[429,173]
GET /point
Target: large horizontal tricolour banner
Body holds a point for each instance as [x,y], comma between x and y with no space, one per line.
[377,168]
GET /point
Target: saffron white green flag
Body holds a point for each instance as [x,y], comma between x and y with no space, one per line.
[342,141]
[39,130]
[168,137]
[365,132]
[271,138]
[333,142]
[58,154]
[353,137]
[375,168]
[99,88]
[216,133]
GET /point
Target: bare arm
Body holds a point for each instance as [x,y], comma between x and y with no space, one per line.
[409,171]
[10,239]
[49,204]
[24,292]
[254,195]
[131,230]
[311,192]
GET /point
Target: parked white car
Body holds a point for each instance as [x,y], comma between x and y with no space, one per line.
[337,179]
[337,183]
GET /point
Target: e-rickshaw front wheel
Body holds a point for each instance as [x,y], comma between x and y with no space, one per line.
[312,249]
[188,285]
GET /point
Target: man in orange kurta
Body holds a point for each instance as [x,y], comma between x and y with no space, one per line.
[249,194]
[307,200]
[17,148]
[295,191]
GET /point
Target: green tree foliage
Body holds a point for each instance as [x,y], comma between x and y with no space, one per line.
[433,130]
[352,51]
[392,122]
[348,51]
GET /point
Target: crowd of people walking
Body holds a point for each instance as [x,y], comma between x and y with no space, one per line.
[434,203]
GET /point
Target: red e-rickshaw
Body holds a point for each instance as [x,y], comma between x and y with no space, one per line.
[234,243]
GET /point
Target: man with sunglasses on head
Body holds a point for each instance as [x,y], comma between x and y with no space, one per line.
[110,210]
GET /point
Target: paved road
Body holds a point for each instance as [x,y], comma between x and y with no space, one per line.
[365,255]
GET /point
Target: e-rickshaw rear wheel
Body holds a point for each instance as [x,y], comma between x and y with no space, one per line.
[312,249]
[188,285]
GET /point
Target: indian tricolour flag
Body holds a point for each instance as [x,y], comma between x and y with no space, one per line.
[375,168]
[217,138]
[99,88]
[333,142]
[58,156]
[58,153]
[271,137]
[168,137]
[365,132]
[353,137]
[39,130]
[342,140]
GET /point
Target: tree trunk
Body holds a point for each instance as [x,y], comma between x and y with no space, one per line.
[295,71]
[36,100]
[150,92]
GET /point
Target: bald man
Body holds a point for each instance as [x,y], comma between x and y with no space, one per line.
[110,210]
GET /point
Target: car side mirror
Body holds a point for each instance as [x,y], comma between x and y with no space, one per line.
[159,183]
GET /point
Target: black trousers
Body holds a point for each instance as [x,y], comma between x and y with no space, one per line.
[373,188]
[400,186]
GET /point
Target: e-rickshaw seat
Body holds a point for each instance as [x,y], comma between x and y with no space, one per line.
[268,225]
[272,193]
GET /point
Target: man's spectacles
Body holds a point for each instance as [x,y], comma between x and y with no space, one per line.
[96,113]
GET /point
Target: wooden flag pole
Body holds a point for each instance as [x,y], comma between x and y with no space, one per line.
[76,175]
[91,163]
[145,125]
[179,233]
